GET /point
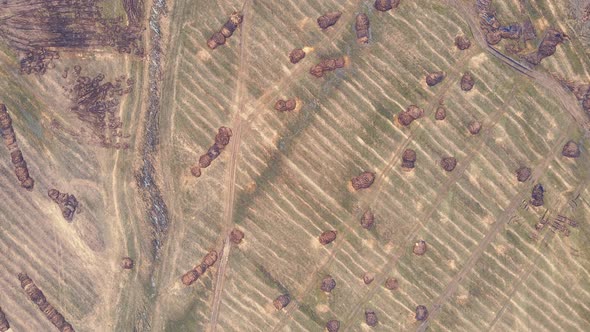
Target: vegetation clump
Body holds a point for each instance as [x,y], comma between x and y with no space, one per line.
[548,46]
[419,248]
[127,263]
[385,5]
[391,284]
[327,65]
[408,159]
[222,139]
[415,112]
[434,78]
[328,19]
[216,39]
[448,163]
[368,219]
[537,195]
[231,24]
[285,105]
[412,112]
[368,277]
[474,127]
[363,180]
[327,237]
[361,27]
[467,82]
[296,55]
[571,150]
[219,38]
[328,284]
[191,276]
[66,202]
[281,301]
[333,325]
[462,42]
[236,236]
[371,318]
[440,114]
[421,313]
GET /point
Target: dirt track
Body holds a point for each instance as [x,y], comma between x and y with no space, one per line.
[230,193]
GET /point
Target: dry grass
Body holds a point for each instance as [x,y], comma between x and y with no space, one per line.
[482,270]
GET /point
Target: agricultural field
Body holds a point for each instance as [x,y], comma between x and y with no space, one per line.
[187,201]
